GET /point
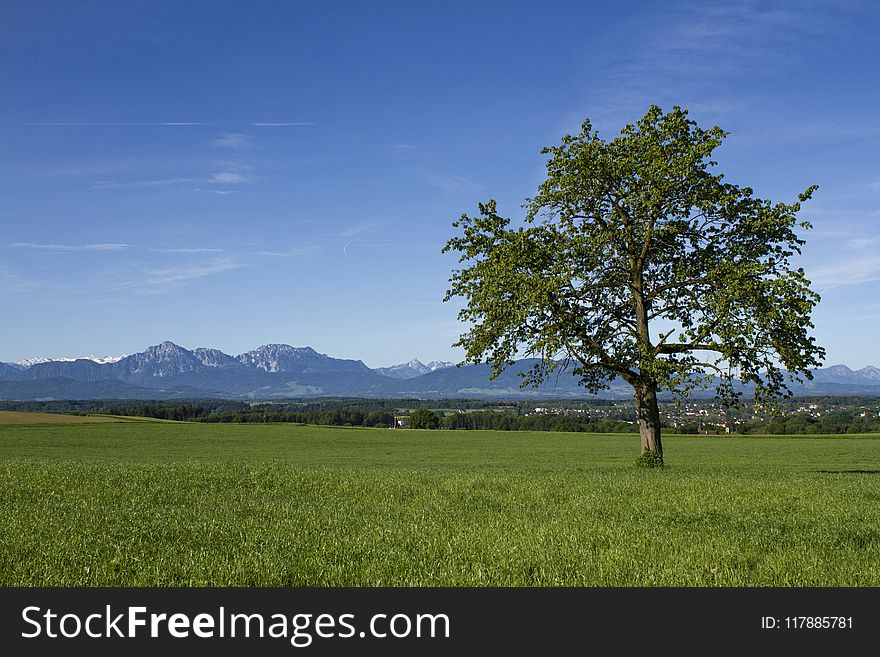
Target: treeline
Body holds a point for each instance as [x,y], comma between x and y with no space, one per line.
[141,406]
[801,423]
[166,410]
[847,415]
[505,416]
[541,422]
[333,418]
[475,420]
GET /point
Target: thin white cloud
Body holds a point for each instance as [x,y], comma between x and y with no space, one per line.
[233,140]
[12,283]
[159,182]
[688,53]
[453,185]
[227,178]
[355,233]
[108,123]
[852,271]
[865,242]
[88,124]
[156,280]
[184,250]
[403,151]
[218,178]
[70,248]
[293,252]
[221,192]
[60,248]
[358,229]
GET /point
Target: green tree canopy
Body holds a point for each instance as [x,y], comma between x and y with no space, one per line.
[379,418]
[424,418]
[637,260]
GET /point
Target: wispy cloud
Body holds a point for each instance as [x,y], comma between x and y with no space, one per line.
[154,280]
[865,242]
[691,53]
[262,124]
[12,283]
[358,229]
[394,244]
[65,248]
[734,29]
[852,271]
[116,123]
[293,252]
[404,151]
[227,177]
[198,249]
[354,233]
[453,185]
[217,178]
[233,140]
[184,273]
[221,192]
[73,248]
[156,182]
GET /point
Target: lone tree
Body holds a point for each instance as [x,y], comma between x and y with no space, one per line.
[424,418]
[638,261]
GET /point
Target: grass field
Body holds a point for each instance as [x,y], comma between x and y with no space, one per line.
[15,417]
[285,505]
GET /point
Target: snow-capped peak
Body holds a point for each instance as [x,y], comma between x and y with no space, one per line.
[39,360]
[106,359]
[36,360]
[412,369]
[869,372]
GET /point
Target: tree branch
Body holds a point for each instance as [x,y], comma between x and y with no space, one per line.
[681,347]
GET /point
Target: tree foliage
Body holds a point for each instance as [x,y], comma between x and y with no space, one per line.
[638,260]
[423,418]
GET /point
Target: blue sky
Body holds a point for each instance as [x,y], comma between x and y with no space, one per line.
[229,175]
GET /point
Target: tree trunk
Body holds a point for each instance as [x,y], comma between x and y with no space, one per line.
[649,418]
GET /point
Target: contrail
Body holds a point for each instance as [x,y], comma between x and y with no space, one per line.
[163,123]
[105,123]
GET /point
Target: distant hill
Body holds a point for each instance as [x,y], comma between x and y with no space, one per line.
[9,370]
[280,371]
[63,388]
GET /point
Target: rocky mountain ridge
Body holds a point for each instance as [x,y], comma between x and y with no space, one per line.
[281,371]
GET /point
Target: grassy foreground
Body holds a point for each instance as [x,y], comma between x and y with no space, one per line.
[16,417]
[283,505]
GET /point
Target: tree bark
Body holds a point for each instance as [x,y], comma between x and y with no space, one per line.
[649,418]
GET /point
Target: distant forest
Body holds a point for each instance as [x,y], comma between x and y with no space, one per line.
[452,414]
[842,415]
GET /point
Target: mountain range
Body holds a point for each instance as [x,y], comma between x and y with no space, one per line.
[280,371]
[412,369]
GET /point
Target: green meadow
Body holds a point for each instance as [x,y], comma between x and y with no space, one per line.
[180,504]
